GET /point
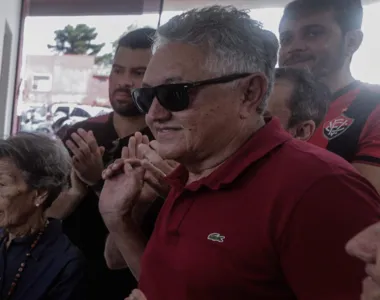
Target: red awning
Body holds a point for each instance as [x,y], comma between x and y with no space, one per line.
[125,7]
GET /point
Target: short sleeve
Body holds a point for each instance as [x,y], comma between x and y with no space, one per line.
[369,142]
[312,245]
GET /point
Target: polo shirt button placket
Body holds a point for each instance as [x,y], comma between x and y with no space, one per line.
[178,211]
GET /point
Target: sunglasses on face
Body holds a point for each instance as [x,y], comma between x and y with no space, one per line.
[175,97]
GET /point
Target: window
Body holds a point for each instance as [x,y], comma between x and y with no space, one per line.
[78,112]
[41,83]
[63,109]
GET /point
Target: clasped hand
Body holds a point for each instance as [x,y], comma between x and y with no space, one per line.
[137,177]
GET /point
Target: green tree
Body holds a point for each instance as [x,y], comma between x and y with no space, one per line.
[76,40]
[105,59]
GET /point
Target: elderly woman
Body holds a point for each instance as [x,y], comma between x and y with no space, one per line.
[37,261]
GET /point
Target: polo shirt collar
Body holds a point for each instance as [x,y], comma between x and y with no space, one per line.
[262,142]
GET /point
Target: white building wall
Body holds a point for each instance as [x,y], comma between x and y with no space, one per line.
[10,14]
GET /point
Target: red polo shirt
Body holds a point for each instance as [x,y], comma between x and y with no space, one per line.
[270,223]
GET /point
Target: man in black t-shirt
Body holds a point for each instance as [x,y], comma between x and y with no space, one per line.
[94,144]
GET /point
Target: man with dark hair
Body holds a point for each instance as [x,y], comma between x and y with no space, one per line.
[299,101]
[134,47]
[322,36]
[137,39]
[94,144]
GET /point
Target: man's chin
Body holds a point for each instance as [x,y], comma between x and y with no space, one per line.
[127,112]
[130,113]
[168,152]
[302,65]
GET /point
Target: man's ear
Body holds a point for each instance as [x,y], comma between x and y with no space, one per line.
[254,88]
[353,40]
[304,130]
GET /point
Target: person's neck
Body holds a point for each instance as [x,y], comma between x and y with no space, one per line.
[33,225]
[125,126]
[206,166]
[338,80]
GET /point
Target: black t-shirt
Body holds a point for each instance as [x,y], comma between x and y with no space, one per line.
[85,227]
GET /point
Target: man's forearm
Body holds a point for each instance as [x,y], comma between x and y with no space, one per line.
[65,204]
[113,256]
[129,240]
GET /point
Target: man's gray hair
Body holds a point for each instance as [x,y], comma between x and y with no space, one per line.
[44,162]
[310,98]
[235,42]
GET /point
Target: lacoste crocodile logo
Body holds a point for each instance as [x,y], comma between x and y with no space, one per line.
[216,237]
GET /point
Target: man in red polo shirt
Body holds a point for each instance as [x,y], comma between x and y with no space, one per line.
[322,36]
[252,213]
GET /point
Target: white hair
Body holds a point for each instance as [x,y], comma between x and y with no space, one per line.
[234,42]
[44,162]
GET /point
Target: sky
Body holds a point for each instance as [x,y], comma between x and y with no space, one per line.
[109,28]
[37,35]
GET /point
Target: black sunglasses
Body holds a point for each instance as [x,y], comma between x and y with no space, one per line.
[175,97]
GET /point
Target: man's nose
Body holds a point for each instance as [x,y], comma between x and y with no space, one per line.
[125,80]
[157,112]
[297,45]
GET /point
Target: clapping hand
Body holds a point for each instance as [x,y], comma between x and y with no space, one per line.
[87,156]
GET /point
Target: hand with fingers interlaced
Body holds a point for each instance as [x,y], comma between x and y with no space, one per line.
[121,191]
[124,183]
[136,178]
[156,168]
[87,156]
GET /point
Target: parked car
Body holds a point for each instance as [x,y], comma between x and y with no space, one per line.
[77,114]
[51,119]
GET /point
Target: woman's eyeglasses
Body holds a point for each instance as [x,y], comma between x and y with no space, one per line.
[174,97]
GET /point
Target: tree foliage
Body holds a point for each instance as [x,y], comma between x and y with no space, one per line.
[76,40]
[105,59]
